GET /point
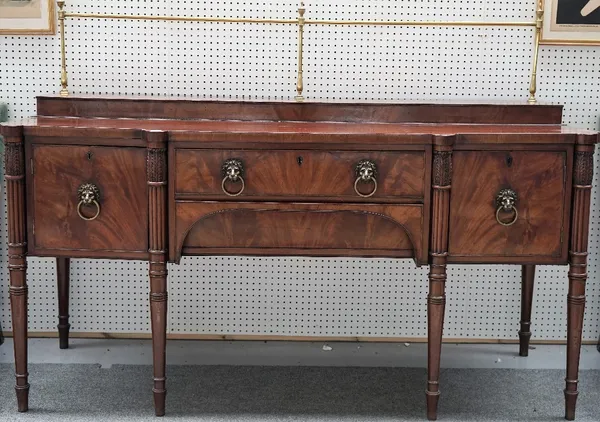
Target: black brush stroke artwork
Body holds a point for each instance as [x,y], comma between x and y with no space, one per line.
[569,12]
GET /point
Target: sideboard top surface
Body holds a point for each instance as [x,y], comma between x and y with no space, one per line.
[298,122]
[238,126]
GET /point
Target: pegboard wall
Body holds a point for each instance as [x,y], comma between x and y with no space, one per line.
[304,296]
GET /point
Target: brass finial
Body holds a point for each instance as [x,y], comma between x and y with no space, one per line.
[301,23]
[539,22]
[64,92]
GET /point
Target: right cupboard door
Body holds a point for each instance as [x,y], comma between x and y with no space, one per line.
[510,205]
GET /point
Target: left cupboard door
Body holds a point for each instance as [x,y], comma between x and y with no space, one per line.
[87,201]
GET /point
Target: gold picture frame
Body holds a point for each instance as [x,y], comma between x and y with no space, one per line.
[571,22]
[27,17]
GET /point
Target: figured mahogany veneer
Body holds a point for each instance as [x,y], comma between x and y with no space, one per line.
[55,226]
[158,168]
[300,229]
[542,182]
[355,112]
[312,175]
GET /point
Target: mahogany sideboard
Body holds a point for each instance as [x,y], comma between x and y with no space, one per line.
[156,179]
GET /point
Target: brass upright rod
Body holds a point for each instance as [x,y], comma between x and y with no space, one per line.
[300,82]
[64,92]
[538,35]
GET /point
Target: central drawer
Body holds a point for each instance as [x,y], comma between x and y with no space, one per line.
[293,174]
[306,229]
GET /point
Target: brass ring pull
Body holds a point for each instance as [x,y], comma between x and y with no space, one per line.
[233,171]
[368,195]
[239,179]
[512,221]
[88,194]
[83,217]
[366,172]
[506,202]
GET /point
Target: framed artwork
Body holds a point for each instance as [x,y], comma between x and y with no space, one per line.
[571,22]
[27,17]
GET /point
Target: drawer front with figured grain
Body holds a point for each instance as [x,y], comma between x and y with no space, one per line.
[509,204]
[249,228]
[88,199]
[268,174]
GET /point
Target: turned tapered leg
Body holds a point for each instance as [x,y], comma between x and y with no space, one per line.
[157,199]
[527,281]
[17,262]
[582,185]
[575,308]
[158,311]
[436,303]
[436,300]
[62,281]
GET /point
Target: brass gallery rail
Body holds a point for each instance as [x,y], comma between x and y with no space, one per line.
[301,21]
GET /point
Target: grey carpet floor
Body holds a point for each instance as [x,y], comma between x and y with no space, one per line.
[262,393]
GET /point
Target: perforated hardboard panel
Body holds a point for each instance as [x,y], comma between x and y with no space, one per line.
[304,296]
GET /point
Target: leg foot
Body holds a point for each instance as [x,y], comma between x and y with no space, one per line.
[570,402]
[524,343]
[63,336]
[62,278]
[22,397]
[527,280]
[432,405]
[159,402]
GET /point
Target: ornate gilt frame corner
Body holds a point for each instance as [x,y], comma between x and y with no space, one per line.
[51,20]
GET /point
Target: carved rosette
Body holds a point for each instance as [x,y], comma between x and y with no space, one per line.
[442,168]
[584,168]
